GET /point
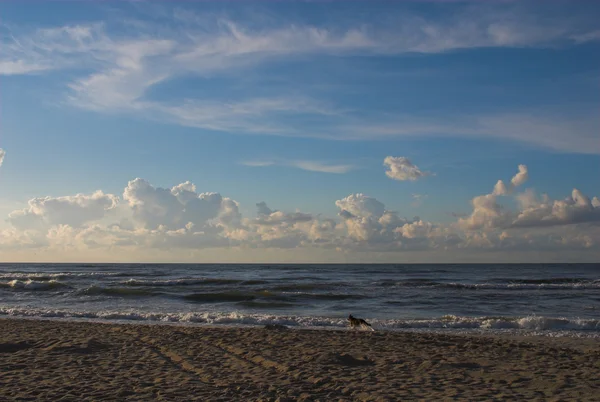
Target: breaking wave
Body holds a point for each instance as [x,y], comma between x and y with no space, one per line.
[450,322]
[57,275]
[33,285]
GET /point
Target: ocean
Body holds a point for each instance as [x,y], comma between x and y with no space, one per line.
[541,299]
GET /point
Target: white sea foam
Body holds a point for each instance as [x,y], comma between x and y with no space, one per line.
[55,275]
[33,285]
[173,282]
[448,322]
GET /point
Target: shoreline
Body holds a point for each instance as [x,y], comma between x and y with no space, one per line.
[450,329]
[49,359]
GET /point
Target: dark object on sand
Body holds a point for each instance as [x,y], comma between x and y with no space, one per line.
[359,323]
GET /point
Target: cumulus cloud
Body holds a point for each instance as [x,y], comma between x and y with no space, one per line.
[263,209]
[181,217]
[533,211]
[360,205]
[370,225]
[2,154]
[518,179]
[178,206]
[487,212]
[70,210]
[577,208]
[401,168]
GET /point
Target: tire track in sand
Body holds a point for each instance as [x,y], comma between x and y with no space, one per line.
[168,355]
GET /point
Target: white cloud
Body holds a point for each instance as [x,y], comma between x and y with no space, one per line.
[401,168]
[169,220]
[124,67]
[69,210]
[577,208]
[320,167]
[175,208]
[311,166]
[20,67]
[533,212]
[542,128]
[2,155]
[518,179]
[360,205]
[487,213]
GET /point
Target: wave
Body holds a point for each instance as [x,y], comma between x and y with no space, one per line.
[265,304]
[238,296]
[327,296]
[448,322]
[220,297]
[303,286]
[33,285]
[191,281]
[123,292]
[524,284]
[547,281]
[56,275]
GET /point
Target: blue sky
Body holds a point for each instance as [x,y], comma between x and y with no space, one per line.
[297,104]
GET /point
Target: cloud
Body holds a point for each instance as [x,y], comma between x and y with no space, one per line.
[177,207]
[518,179]
[401,168]
[533,212]
[117,68]
[541,128]
[263,209]
[360,205]
[319,167]
[577,208]
[418,199]
[257,163]
[370,225]
[487,212]
[20,67]
[167,220]
[69,210]
[2,155]
[587,37]
[311,166]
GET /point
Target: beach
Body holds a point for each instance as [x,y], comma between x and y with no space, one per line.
[51,360]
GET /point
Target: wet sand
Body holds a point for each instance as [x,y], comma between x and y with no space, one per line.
[75,361]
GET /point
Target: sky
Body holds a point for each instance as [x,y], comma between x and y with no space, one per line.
[306,131]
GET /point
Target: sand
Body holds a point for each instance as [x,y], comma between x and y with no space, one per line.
[76,361]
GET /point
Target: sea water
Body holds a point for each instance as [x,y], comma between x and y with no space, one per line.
[546,299]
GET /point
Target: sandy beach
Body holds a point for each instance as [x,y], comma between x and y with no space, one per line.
[74,361]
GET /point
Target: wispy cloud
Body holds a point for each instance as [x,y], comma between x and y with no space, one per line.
[126,66]
[257,163]
[418,199]
[320,167]
[312,166]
